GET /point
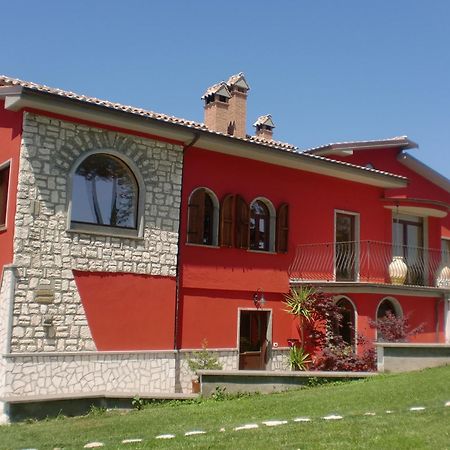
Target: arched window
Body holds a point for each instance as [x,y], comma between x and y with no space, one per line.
[389,305]
[347,327]
[259,226]
[203,217]
[104,192]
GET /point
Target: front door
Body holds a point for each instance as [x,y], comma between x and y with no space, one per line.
[253,339]
[346,247]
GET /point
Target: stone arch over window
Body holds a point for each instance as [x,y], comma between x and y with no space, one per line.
[106,195]
[203,217]
[347,329]
[262,225]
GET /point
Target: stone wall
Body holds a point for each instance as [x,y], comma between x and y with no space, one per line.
[46,252]
[42,374]
[229,359]
[404,357]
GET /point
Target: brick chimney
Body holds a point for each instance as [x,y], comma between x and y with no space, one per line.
[264,127]
[226,106]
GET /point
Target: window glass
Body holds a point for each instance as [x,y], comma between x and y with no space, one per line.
[4,180]
[104,192]
[208,221]
[259,226]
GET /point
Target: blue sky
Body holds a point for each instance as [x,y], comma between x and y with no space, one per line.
[326,70]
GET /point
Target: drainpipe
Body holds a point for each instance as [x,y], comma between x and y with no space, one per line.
[436,312]
[178,270]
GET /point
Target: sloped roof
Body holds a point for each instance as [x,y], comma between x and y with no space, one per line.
[239,80]
[398,141]
[264,120]
[219,89]
[6,81]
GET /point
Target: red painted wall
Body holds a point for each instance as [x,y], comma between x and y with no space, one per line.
[10,138]
[419,310]
[418,187]
[215,282]
[128,311]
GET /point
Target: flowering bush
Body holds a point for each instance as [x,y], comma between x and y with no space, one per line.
[391,328]
[320,319]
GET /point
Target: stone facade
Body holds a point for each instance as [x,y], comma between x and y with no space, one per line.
[46,252]
[43,374]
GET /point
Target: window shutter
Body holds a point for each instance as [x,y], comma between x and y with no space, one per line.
[4,177]
[195,217]
[242,217]
[227,219]
[282,228]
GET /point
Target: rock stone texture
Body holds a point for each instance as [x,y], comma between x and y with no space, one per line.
[46,251]
[90,372]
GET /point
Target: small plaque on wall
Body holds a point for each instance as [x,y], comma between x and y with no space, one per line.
[44,296]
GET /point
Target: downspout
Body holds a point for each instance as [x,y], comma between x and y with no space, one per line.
[437,304]
[178,270]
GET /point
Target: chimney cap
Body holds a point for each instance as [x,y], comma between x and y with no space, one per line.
[238,80]
[217,89]
[265,120]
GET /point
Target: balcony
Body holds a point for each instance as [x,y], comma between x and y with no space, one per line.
[371,262]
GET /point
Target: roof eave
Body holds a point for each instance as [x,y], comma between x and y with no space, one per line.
[17,98]
[347,148]
[422,169]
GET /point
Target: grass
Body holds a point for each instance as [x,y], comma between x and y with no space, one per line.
[403,429]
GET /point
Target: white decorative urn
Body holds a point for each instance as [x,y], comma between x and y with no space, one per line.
[398,270]
[443,278]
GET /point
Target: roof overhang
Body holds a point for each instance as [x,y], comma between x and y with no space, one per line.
[417,207]
[348,148]
[422,169]
[18,98]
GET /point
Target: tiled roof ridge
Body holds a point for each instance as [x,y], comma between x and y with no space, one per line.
[8,81]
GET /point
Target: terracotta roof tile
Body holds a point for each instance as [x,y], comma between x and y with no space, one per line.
[270,144]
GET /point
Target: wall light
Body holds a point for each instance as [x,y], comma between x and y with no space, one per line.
[258,298]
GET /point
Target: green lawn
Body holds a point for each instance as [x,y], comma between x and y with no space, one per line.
[402,428]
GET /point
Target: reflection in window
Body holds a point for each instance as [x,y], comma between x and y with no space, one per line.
[104,192]
[259,226]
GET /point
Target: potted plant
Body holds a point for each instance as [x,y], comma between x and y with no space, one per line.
[202,360]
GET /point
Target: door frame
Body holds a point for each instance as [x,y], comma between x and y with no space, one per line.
[356,215]
[268,331]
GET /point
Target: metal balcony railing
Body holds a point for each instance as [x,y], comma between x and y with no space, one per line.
[371,262]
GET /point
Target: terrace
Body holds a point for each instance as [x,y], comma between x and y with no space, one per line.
[371,262]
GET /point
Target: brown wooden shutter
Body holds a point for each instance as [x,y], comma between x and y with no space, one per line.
[4,178]
[282,228]
[227,218]
[196,212]
[242,217]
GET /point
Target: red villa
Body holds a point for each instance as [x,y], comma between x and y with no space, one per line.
[128,237]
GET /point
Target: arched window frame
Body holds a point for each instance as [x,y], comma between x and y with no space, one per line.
[272,222]
[104,229]
[337,299]
[395,303]
[216,212]
[397,307]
